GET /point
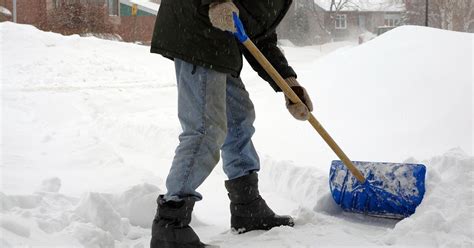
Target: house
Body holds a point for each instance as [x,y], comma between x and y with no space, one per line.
[132,20]
[5,14]
[25,11]
[136,19]
[360,16]
[319,21]
[144,7]
[307,22]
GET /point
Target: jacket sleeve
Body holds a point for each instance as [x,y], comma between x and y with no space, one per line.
[268,46]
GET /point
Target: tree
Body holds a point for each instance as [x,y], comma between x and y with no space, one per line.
[300,23]
[414,14]
[457,15]
[79,17]
[338,5]
[466,15]
[445,11]
[300,27]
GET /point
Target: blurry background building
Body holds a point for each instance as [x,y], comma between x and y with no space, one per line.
[128,20]
[307,22]
[320,21]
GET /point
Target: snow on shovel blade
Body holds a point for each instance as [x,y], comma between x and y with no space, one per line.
[391,190]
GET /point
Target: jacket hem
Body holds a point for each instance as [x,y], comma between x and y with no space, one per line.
[205,64]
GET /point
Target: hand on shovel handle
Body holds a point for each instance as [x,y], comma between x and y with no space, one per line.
[299,110]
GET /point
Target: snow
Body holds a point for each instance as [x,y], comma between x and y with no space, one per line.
[51,185]
[392,176]
[14,227]
[448,204]
[89,129]
[5,11]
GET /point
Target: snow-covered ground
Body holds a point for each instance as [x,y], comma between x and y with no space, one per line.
[89,129]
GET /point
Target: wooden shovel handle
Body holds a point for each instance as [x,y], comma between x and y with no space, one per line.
[294,98]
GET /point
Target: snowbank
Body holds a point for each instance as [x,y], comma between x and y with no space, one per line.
[101,220]
[444,218]
[51,185]
[406,93]
[68,62]
[94,220]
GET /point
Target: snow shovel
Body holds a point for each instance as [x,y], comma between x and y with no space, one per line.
[390,190]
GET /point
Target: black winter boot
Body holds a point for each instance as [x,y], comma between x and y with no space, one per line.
[249,211]
[171,225]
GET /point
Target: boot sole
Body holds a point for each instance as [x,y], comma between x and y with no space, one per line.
[165,244]
[247,224]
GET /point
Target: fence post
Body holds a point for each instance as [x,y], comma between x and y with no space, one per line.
[14,11]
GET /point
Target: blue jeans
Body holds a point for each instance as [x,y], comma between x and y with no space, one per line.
[216,114]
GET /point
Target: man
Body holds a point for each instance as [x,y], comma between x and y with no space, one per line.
[215,110]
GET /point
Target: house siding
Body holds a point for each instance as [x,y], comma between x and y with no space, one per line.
[321,28]
[315,34]
[131,28]
[126,10]
[318,28]
[27,11]
[135,28]
[372,21]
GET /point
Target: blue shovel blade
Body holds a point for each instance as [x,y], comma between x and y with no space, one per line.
[391,190]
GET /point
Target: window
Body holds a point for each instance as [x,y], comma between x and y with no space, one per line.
[341,22]
[112,6]
[392,20]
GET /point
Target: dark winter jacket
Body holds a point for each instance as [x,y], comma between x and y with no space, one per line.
[183,30]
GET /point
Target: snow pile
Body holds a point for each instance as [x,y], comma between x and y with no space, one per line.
[95,209]
[51,185]
[67,66]
[445,217]
[406,93]
[89,235]
[137,204]
[94,220]
[5,11]
[11,225]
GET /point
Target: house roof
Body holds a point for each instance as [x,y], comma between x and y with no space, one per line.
[144,5]
[365,5]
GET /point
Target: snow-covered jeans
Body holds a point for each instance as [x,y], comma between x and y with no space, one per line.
[216,114]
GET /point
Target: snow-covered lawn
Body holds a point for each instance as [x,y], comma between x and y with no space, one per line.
[89,129]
